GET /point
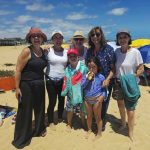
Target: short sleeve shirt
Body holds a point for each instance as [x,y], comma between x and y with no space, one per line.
[127,62]
[106,58]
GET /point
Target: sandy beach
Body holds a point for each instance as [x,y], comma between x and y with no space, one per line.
[60,139]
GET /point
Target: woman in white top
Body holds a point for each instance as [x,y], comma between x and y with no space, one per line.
[128,61]
[57,61]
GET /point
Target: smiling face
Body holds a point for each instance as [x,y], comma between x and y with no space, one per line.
[36,39]
[92,67]
[57,40]
[73,59]
[123,39]
[78,42]
[96,36]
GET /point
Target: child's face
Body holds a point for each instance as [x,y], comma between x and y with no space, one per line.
[73,59]
[92,67]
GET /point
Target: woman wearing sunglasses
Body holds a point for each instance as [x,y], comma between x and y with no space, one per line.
[30,90]
[78,43]
[99,48]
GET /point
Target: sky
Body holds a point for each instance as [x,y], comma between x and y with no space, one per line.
[18,16]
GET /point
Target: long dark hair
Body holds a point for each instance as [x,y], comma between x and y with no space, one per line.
[102,41]
[96,61]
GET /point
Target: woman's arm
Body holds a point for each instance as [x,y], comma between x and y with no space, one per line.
[21,62]
[140,70]
[111,61]
[110,76]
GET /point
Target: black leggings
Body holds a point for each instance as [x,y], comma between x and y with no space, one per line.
[105,105]
[54,89]
[33,98]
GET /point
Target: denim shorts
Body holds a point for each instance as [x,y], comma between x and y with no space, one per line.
[70,107]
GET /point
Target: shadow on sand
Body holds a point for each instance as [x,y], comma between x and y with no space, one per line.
[115,125]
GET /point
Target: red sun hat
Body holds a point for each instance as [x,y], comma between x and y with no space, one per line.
[33,31]
[73,51]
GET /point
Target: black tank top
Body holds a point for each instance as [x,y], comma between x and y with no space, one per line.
[34,69]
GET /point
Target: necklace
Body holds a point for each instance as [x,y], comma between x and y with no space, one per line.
[37,52]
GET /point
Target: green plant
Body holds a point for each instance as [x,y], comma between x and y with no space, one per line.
[6,73]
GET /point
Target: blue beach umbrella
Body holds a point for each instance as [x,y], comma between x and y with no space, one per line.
[145,52]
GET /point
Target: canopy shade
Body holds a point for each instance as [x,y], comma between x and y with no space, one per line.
[140,42]
[145,52]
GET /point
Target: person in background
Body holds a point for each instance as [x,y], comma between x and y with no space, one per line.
[78,40]
[30,90]
[94,94]
[57,61]
[128,61]
[99,48]
[72,86]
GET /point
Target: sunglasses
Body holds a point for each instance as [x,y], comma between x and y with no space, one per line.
[78,39]
[95,34]
[36,36]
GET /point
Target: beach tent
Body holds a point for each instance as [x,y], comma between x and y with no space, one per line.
[140,42]
[145,52]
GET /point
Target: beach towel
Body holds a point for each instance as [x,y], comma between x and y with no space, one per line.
[7,111]
[130,87]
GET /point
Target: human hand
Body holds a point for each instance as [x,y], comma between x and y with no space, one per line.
[46,49]
[106,83]
[89,75]
[18,93]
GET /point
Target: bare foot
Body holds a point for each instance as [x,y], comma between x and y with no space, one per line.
[68,129]
[98,136]
[1,122]
[88,134]
[131,138]
[52,126]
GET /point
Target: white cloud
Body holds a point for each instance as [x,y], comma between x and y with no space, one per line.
[5,12]
[24,18]
[15,31]
[79,16]
[117,11]
[67,27]
[39,7]
[43,20]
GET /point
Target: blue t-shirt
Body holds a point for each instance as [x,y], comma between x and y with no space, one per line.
[93,88]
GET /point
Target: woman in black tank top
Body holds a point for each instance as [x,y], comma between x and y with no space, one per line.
[30,90]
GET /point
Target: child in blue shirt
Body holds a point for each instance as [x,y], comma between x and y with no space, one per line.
[93,93]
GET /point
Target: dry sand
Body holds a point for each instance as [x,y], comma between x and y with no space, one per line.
[75,140]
